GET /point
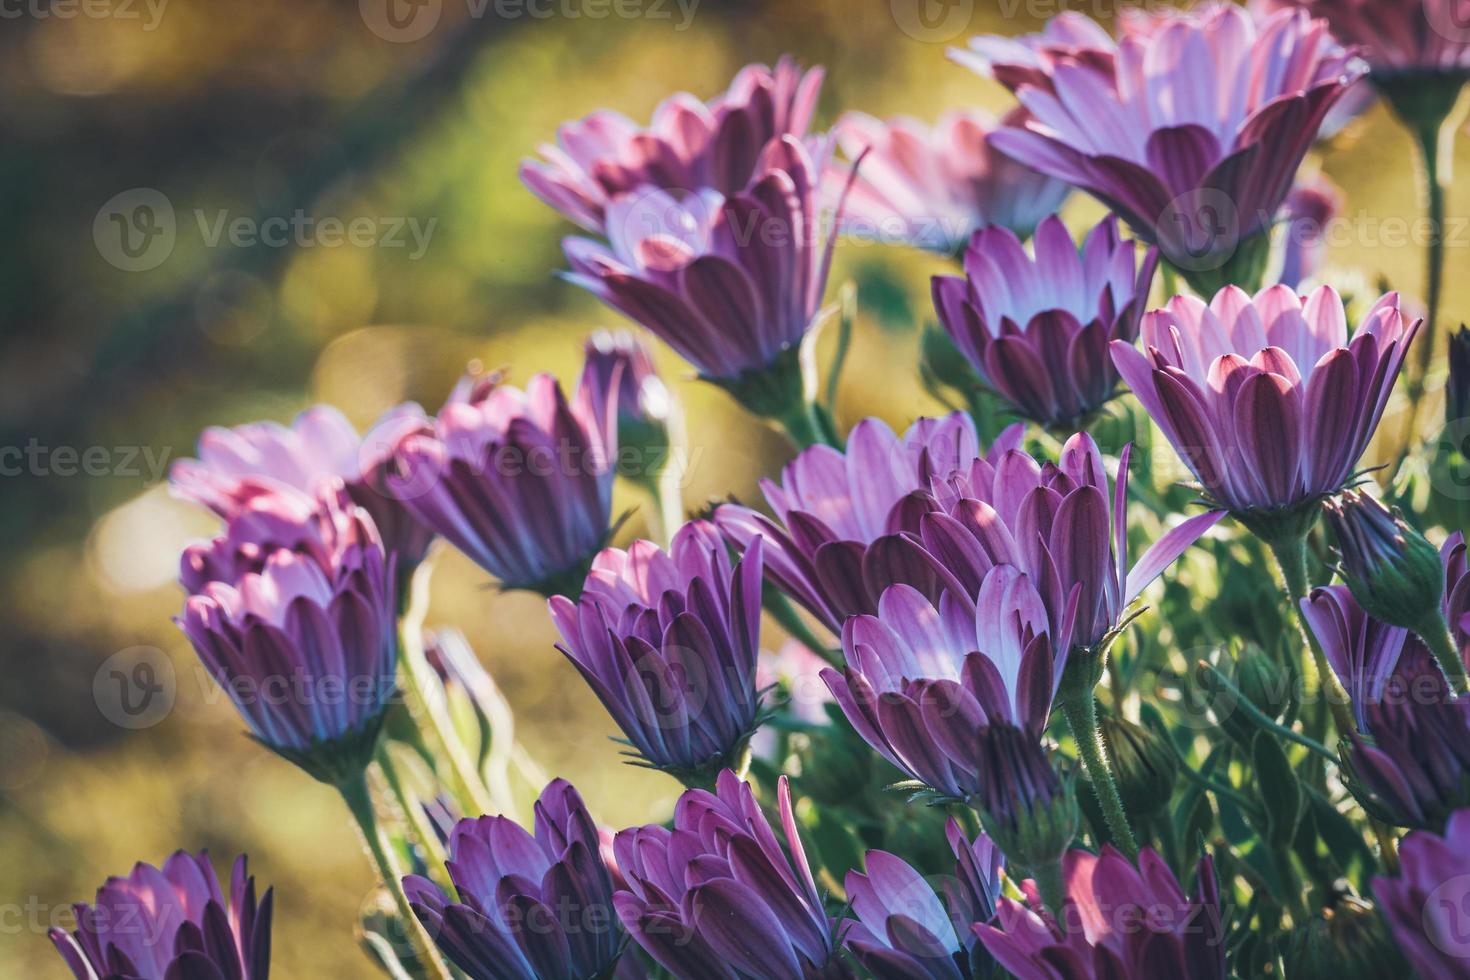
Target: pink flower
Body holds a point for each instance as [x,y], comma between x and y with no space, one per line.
[1265,399]
[1191,130]
[931,187]
[1036,329]
[690,145]
[731,283]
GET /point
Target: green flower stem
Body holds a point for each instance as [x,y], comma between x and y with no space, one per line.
[413,812]
[1291,556]
[802,426]
[1436,636]
[1081,713]
[359,801]
[1053,891]
[668,500]
[1244,705]
[1434,139]
[430,715]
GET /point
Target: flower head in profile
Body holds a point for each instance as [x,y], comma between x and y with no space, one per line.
[1036,327]
[732,282]
[1192,131]
[909,927]
[1120,920]
[668,642]
[171,923]
[621,382]
[689,146]
[1408,763]
[530,904]
[520,481]
[1419,41]
[1425,902]
[320,447]
[718,895]
[1266,399]
[304,641]
[1393,571]
[933,186]
[923,682]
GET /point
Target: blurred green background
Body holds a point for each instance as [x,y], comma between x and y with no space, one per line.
[263,108]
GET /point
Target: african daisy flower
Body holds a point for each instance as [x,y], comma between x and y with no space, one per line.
[903,927]
[1124,920]
[669,642]
[933,186]
[732,283]
[237,465]
[1161,129]
[689,146]
[1036,326]
[171,923]
[306,646]
[719,897]
[520,481]
[531,904]
[1266,400]
[1425,902]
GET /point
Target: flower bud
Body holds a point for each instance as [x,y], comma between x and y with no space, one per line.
[1457,388]
[644,407]
[1026,807]
[1264,683]
[1144,765]
[1393,572]
[1346,942]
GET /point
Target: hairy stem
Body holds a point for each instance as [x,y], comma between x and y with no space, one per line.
[429,713]
[1436,636]
[1081,713]
[1291,557]
[359,801]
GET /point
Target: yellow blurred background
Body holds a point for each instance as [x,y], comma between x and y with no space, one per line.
[264,108]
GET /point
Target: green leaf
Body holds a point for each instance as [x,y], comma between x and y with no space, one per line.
[1280,792]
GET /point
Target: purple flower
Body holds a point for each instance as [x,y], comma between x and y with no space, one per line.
[520,482]
[1425,904]
[618,375]
[731,282]
[1456,561]
[839,543]
[1392,569]
[1192,131]
[530,905]
[922,682]
[1414,39]
[1037,329]
[905,930]
[1122,921]
[690,145]
[669,642]
[931,187]
[930,512]
[1265,399]
[1409,761]
[235,466]
[718,897]
[172,923]
[1032,59]
[306,646]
